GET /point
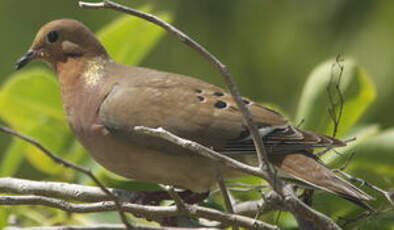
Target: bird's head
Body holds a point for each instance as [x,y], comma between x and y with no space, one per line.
[60,40]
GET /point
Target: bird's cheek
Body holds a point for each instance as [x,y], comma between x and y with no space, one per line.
[41,54]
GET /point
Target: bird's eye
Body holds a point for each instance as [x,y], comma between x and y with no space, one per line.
[52,36]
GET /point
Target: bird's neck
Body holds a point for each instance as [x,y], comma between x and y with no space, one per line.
[84,72]
[80,80]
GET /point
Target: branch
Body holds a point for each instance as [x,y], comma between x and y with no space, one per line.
[84,193]
[308,214]
[62,190]
[201,150]
[46,194]
[180,204]
[333,110]
[71,165]
[144,210]
[103,227]
[291,202]
[271,201]
[225,194]
[386,194]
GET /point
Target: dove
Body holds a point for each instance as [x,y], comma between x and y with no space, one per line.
[104,101]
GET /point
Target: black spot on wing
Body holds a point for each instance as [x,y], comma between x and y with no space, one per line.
[200,98]
[220,104]
[218,94]
[247,102]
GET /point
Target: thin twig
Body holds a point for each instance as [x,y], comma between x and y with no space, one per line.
[364,215]
[103,227]
[71,165]
[329,148]
[225,193]
[362,182]
[291,202]
[333,110]
[201,150]
[144,210]
[85,193]
[180,204]
[67,191]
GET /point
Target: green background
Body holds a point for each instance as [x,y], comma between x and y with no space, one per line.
[271,47]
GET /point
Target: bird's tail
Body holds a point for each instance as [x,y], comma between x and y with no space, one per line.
[305,169]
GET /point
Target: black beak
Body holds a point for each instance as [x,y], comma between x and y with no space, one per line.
[25,59]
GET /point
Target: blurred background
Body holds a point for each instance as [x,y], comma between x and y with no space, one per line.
[270,47]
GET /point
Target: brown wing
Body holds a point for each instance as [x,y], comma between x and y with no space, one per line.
[198,111]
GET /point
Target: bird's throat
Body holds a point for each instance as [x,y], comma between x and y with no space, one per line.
[81,72]
[79,80]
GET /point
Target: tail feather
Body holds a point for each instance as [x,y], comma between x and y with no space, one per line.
[304,168]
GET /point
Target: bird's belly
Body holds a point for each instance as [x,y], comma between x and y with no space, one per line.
[184,170]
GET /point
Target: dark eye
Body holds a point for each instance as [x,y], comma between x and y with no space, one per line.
[52,36]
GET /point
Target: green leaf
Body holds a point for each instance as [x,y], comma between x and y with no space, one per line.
[12,158]
[30,103]
[361,134]
[27,99]
[358,93]
[4,214]
[373,163]
[129,39]
[373,160]
[55,136]
[30,96]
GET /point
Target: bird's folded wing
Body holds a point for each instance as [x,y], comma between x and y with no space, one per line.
[198,111]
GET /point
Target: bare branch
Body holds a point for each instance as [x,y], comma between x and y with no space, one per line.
[291,203]
[65,191]
[329,148]
[202,150]
[84,193]
[386,194]
[335,109]
[271,201]
[143,210]
[53,190]
[177,199]
[225,193]
[71,165]
[346,222]
[103,227]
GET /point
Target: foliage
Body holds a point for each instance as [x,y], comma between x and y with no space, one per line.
[30,103]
